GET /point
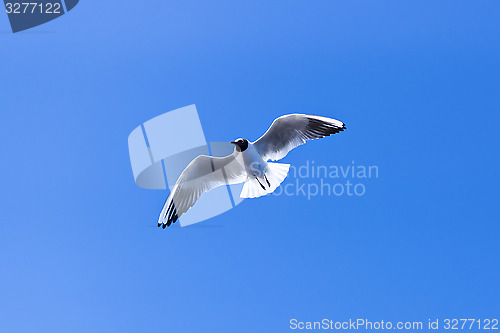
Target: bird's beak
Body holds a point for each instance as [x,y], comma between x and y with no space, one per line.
[233,142]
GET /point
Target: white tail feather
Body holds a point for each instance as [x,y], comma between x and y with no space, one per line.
[275,174]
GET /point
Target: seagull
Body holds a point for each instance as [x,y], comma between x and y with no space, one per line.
[248,163]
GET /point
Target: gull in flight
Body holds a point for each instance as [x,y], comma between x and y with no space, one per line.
[248,163]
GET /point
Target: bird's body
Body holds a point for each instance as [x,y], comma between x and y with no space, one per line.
[248,163]
[255,166]
[262,177]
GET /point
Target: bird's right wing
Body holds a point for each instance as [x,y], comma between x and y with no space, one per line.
[203,174]
[292,130]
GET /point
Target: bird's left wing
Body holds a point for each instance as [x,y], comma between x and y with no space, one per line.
[202,174]
[292,130]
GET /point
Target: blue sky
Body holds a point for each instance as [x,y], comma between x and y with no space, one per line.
[416,82]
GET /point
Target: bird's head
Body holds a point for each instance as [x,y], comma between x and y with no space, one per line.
[240,144]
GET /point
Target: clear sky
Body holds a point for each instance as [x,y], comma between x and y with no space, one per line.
[416,82]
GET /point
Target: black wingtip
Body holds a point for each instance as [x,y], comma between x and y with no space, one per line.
[170,215]
[319,129]
[173,219]
[159,224]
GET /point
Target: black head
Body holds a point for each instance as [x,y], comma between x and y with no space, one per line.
[241,144]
